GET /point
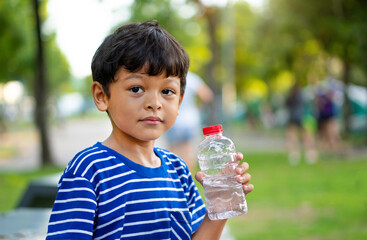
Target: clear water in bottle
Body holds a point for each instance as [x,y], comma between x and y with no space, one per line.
[217,159]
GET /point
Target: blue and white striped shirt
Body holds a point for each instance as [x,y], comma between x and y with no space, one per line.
[104,195]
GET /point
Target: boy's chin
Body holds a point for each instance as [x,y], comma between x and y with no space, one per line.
[152,137]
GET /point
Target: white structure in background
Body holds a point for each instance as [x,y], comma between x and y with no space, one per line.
[358,96]
[14,105]
[70,104]
[11,97]
[12,92]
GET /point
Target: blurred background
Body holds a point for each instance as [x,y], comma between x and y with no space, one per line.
[289,80]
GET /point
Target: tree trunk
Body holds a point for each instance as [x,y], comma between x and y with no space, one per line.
[40,94]
[362,39]
[211,16]
[346,80]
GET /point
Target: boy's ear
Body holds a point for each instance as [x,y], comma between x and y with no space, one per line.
[99,96]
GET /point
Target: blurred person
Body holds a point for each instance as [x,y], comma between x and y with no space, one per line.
[267,116]
[330,140]
[253,113]
[124,187]
[181,138]
[296,129]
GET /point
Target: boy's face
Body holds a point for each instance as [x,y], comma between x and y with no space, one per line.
[140,106]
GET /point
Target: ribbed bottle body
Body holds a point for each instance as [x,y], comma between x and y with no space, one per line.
[223,194]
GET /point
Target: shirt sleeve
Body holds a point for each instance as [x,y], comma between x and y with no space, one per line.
[72,216]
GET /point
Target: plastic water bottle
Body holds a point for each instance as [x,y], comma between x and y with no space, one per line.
[217,159]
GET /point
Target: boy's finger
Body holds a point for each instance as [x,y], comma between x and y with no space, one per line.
[244,179]
[239,156]
[248,188]
[242,168]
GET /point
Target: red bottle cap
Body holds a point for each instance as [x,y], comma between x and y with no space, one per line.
[211,130]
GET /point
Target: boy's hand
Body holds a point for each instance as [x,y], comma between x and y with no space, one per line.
[241,170]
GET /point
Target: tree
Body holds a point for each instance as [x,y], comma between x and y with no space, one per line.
[40,92]
[20,35]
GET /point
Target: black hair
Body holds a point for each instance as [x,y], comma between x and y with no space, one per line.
[138,45]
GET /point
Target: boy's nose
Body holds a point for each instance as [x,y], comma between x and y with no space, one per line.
[153,102]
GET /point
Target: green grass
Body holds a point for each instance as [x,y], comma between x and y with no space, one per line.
[12,185]
[327,200]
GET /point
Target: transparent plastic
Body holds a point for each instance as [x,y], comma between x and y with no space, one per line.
[217,159]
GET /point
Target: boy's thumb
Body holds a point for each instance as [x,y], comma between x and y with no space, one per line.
[199,177]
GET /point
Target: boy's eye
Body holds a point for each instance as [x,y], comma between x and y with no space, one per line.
[136,89]
[168,91]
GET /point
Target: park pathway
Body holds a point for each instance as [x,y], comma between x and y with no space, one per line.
[20,150]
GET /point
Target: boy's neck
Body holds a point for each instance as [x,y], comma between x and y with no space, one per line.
[141,153]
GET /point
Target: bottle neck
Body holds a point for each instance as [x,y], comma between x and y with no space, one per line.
[214,135]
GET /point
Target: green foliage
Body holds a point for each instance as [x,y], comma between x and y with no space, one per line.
[18,47]
[58,68]
[296,36]
[335,26]
[16,40]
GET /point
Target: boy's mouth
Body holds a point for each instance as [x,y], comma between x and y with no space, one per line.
[152,120]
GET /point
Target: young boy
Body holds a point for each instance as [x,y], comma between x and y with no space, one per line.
[124,187]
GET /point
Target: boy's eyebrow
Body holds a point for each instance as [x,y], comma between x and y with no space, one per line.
[134,75]
[174,79]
